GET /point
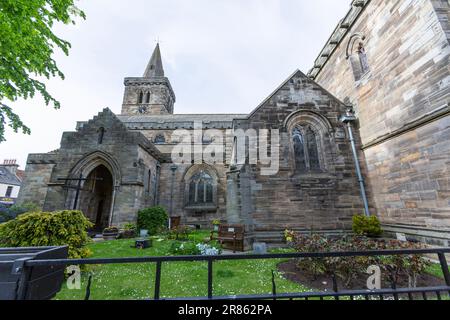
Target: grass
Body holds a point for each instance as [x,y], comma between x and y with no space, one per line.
[435,270]
[180,279]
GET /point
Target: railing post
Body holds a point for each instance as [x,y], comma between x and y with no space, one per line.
[444,267]
[335,286]
[157,280]
[19,268]
[210,278]
[274,286]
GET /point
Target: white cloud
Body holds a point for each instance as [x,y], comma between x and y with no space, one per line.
[223,56]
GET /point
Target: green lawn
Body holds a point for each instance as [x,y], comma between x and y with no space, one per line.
[435,270]
[181,279]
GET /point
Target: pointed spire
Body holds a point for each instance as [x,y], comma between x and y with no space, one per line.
[155,67]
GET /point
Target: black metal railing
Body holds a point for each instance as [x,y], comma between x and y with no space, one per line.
[435,292]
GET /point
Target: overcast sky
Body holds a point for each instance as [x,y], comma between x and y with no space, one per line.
[221,56]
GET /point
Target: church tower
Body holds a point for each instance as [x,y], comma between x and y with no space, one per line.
[151,93]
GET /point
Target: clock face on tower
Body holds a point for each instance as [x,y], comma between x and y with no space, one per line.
[142,109]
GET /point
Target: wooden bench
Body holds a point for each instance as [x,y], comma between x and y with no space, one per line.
[175,222]
[231,234]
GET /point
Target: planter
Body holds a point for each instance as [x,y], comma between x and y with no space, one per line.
[143,233]
[143,243]
[111,233]
[40,283]
[128,234]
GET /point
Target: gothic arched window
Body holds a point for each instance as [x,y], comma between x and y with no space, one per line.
[201,189]
[356,54]
[306,149]
[147,97]
[101,135]
[149,181]
[141,97]
[313,149]
[299,150]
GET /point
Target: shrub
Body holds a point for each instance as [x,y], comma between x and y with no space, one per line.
[58,228]
[10,213]
[208,250]
[180,233]
[129,227]
[184,248]
[367,226]
[111,229]
[349,268]
[192,248]
[152,219]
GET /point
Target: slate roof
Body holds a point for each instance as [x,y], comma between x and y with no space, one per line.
[168,118]
[6,177]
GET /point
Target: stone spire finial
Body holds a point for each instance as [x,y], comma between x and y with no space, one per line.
[155,66]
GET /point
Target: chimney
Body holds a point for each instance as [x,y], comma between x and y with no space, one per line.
[11,165]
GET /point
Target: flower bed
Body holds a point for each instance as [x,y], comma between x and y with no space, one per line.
[351,270]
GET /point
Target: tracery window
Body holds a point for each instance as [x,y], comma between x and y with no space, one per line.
[306,149]
[201,189]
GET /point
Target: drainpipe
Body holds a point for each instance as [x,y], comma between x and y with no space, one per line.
[348,119]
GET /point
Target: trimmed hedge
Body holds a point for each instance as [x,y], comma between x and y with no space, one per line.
[58,228]
[367,226]
[152,219]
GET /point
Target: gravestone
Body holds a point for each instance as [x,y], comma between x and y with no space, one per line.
[259,248]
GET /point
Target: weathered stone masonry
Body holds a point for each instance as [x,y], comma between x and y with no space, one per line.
[403,108]
[389,59]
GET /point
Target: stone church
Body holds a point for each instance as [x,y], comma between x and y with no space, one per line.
[386,59]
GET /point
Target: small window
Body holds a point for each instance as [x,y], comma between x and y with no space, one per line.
[149,181]
[160,139]
[147,98]
[141,97]
[357,56]
[101,135]
[9,191]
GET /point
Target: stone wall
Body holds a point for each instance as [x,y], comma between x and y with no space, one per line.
[38,172]
[402,104]
[179,196]
[129,156]
[324,200]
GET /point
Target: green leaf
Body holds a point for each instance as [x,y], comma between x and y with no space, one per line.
[27,44]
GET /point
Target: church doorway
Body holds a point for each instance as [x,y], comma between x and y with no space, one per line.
[96,197]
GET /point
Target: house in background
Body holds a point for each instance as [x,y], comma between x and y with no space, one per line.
[10,182]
